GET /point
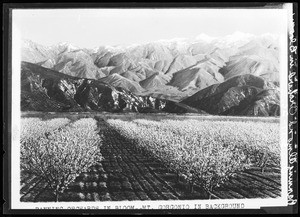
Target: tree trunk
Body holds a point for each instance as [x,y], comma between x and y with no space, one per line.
[56,196]
[210,192]
[191,187]
[177,178]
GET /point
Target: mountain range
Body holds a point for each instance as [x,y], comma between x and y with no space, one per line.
[232,75]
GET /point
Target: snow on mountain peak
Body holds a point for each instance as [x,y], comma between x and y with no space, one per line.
[235,39]
[238,36]
[206,38]
[177,41]
[68,46]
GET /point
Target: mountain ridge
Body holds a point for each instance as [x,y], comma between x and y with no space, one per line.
[173,70]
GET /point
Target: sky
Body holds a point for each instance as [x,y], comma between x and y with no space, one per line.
[91,28]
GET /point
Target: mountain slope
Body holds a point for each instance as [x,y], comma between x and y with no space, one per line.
[240,95]
[117,80]
[155,81]
[171,70]
[131,76]
[201,75]
[60,92]
[77,63]
[34,53]
[44,89]
[259,57]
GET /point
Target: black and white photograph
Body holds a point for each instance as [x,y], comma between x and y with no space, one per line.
[151,108]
